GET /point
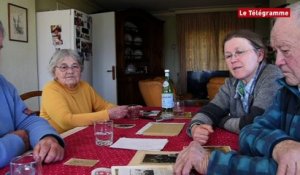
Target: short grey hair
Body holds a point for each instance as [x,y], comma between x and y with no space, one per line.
[59,55]
[1,29]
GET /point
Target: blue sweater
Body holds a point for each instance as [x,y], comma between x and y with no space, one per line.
[13,117]
[280,122]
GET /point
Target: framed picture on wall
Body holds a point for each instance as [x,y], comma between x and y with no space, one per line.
[17,23]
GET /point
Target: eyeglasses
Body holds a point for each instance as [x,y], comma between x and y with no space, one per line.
[64,68]
[237,53]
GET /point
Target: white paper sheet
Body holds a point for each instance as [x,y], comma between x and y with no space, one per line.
[140,144]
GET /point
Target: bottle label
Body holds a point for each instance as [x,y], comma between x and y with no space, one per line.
[166,84]
[167,100]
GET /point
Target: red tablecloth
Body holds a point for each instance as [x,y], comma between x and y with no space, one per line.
[82,145]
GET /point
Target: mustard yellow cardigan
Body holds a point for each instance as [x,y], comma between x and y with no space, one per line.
[65,109]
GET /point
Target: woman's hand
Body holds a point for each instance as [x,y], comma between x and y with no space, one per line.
[118,112]
[200,133]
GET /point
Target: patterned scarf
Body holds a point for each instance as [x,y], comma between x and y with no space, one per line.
[244,91]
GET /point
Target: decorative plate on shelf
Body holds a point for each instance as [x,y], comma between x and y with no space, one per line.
[131,27]
[138,41]
[138,54]
[130,68]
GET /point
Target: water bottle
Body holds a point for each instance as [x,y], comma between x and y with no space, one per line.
[167,96]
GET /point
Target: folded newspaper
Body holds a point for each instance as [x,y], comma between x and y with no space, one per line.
[152,163]
[138,170]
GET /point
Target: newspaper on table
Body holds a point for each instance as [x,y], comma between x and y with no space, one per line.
[153,162]
[138,170]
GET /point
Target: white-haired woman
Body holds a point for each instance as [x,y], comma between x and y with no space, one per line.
[69,102]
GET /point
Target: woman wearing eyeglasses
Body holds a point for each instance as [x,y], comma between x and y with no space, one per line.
[245,95]
[68,102]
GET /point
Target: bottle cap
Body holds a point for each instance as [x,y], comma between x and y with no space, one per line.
[167,70]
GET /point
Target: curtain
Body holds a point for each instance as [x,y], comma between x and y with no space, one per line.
[228,22]
[200,40]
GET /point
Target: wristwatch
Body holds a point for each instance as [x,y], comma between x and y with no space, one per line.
[191,126]
[195,123]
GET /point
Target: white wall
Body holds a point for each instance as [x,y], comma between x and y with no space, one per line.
[18,61]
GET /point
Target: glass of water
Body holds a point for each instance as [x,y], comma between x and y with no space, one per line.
[134,111]
[104,132]
[25,165]
[178,108]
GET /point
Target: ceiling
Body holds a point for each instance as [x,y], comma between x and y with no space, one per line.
[152,6]
[156,6]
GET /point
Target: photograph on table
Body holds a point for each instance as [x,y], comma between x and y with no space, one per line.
[153,158]
[160,158]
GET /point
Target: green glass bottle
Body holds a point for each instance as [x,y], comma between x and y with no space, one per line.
[167,96]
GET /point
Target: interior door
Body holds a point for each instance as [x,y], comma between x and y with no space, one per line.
[104,55]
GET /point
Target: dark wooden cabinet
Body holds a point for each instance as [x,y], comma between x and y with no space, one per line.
[139,51]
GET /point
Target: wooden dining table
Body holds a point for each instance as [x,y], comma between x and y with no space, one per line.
[80,143]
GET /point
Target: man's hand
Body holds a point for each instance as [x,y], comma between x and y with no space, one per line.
[286,154]
[200,133]
[48,150]
[24,136]
[194,156]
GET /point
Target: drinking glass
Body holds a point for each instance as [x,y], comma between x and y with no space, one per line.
[25,165]
[178,108]
[134,111]
[104,132]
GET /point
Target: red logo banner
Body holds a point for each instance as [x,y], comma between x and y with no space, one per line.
[264,12]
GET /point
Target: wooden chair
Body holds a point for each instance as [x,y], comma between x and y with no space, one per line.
[31,94]
[214,85]
[151,91]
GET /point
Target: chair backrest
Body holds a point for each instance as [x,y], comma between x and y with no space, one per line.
[151,91]
[31,94]
[214,85]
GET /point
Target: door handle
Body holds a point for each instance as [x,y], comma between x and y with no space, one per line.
[113,72]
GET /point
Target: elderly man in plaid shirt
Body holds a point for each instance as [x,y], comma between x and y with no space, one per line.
[271,145]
